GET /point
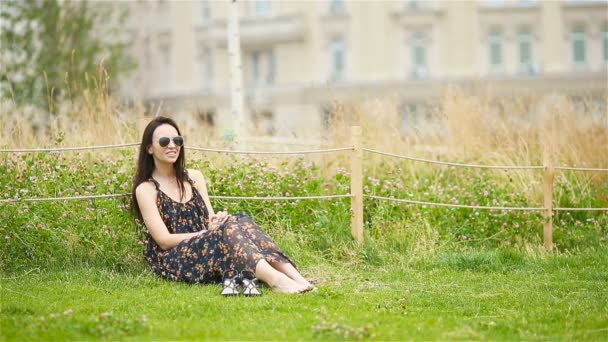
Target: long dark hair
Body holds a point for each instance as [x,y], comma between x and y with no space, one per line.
[145,162]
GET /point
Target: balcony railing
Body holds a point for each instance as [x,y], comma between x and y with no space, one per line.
[257,31]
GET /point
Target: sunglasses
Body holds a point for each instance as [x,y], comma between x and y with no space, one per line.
[164,141]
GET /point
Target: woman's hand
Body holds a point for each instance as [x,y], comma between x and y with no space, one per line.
[219,218]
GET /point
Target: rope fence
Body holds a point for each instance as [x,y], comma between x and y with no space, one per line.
[204,149]
[64,149]
[268,198]
[280,198]
[271,152]
[447,205]
[581,209]
[68,198]
[580,169]
[356,194]
[453,164]
[339,149]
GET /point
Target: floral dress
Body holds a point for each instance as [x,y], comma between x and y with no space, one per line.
[222,251]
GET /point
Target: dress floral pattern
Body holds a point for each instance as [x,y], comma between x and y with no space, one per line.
[222,251]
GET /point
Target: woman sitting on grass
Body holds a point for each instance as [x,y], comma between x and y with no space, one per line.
[188,241]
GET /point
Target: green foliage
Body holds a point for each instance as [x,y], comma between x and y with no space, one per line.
[102,232]
[73,270]
[53,49]
[480,227]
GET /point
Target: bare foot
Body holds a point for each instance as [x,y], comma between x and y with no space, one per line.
[304,283]
[309,288]
[286,285]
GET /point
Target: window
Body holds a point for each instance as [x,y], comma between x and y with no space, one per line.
[337,7]
[206,65]
[328,115]
[579,46]
[492,3]
[415,5]
[206,117]
[147,54]
[262,7]
[526,61]
[205,10]
[495,49]
[408,116]
[255,67]
[414,116]
[583,2]
[272,65]
[526,3]
[164,48]
[605,43]
[263,67]
[419,56]
[337,59]
[264,122]
[164,66]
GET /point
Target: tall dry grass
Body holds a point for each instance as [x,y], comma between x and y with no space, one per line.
[484,129]
[477,128]
[499,131]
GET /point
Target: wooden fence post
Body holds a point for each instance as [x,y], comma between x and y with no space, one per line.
[549,173]
[356,185]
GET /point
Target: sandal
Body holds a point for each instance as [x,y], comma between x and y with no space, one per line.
[231,287]
[250,285]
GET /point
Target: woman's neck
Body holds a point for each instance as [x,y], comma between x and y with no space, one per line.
[164,171]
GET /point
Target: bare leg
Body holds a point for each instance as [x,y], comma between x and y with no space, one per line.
[275,279]
[288,269]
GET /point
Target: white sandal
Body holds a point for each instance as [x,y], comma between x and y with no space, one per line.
[250,285]
[231,287]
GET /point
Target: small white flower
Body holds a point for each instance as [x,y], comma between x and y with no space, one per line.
[17,77]
[19,28]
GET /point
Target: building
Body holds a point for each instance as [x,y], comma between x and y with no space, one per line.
[299,57]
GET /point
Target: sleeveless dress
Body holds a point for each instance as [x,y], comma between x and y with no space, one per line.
[222,251]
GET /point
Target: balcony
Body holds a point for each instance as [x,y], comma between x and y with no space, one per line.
[418,14]
[258,31]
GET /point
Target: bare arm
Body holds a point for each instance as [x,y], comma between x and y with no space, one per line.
[146,198]
[200,184]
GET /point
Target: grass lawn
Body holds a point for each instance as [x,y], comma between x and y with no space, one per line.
[496,295]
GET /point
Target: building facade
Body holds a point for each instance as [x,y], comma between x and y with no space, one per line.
[299,57]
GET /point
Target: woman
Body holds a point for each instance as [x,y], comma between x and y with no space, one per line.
[188,241]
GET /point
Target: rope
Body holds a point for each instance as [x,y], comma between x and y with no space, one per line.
[280,198]
[579,169]
[56,149]
[580,209]
[271,152]
[454,164]
[502,167]
[453,205]
[46,199]
[70,198]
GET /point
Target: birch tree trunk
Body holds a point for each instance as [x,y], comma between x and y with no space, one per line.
[236,75]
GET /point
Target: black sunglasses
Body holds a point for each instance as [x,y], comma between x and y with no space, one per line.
[164,141]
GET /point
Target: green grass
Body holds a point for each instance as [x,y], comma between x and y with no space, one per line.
[74,270]
[496,295]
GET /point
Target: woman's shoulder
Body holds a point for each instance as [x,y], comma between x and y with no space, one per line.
[196,175]
[145,188]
